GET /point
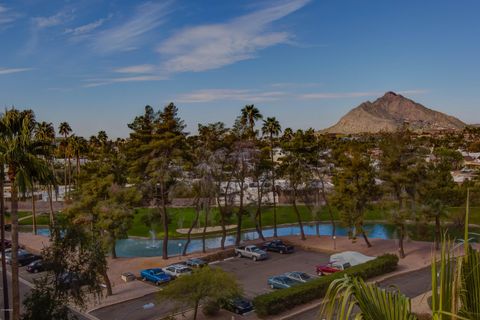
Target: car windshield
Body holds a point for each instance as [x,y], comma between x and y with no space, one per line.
[157,272]
[256,250]
[303,276]
[184,270]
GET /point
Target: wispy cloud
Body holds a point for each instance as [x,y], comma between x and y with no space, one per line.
[106,81]
[210,95]
[86,28]
[213,46]
[57,19]
[142,68]
[343,95]
[7,16]
[296,84]
[13,70]
[128,35]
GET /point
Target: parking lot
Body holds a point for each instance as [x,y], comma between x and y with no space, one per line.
[253,276]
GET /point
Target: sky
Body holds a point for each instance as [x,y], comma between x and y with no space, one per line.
[96,64]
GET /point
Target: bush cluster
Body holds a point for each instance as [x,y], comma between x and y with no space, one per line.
[219,255]
[281,300]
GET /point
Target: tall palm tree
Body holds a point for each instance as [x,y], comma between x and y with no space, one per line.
[6,301]
[21,156]
[78,147]
[249,115]
[64,129]
[271,128]
[45,132]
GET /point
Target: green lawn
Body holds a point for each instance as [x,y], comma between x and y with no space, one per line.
[183,217]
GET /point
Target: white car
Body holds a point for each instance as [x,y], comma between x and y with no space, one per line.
[177,270]
[351,257]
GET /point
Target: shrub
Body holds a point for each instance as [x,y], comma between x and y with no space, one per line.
[278,301]
[211,308]
[220,255]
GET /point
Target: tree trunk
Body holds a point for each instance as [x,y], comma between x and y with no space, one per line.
[107,283]
[437,232]
[114,249]
[69,175]
[401,250]
[224,229]
[6,301]
[195,310]
[364,235]
[238,238]
[50,200]
[299,218]
[15,247]
[273,190]
[258,213]
[165,222]
[330,213]
[34,212]
[206,208]
[189,233]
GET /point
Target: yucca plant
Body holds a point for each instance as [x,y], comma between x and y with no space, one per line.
[456,281]
[352,298]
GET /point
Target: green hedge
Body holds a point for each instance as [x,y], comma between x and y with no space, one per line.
[285,299]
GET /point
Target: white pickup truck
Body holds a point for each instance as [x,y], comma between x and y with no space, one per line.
[251,252]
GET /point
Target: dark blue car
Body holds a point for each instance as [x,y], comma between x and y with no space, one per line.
[155,275]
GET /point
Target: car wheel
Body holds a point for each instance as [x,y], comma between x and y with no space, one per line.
[254,258]
[157,283]
[237,311]
[320,273]
[144,279]
[35,270]
[281,251]
[272,286]
[239,255]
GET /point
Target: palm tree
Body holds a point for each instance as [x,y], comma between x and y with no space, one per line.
[6,301]
[45,132]
[78,146]
[21,156]
[64,129]
[375,303]
[249,115]
[271,128]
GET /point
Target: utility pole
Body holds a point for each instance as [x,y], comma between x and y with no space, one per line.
[6,305]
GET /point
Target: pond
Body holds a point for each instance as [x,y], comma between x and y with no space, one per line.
[135,247]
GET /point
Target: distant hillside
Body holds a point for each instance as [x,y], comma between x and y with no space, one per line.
[390,112]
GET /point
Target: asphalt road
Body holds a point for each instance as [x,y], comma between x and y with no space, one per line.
[144,308]
[24,290]
[411,284]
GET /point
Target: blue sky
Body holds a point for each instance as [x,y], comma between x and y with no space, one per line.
[96,64]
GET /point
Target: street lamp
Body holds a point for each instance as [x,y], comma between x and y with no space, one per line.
[334,243]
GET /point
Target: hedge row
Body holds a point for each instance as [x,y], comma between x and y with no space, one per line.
[281,300]
[219,255]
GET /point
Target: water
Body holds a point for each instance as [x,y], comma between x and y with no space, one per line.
[152,247]
[142,247]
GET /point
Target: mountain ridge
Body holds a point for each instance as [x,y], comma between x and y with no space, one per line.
[389,113]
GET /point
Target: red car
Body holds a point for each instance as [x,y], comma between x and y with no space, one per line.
[332,267]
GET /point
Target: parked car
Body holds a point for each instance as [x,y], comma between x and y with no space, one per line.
[277,246]
[251,252]
[281,282]
[331,267]
[177,270]
[195,263]
[24,257]
[70,280]
[299,276]
[352,257]
[238,305]
[155,275]
[37,266]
